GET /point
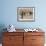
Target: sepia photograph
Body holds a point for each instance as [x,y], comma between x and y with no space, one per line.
[26,14]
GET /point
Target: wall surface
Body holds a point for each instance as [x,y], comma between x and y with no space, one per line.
[9,13]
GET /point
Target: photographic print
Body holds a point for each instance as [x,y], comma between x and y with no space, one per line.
[26,14]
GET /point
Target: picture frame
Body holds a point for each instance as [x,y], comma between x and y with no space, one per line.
[26,14]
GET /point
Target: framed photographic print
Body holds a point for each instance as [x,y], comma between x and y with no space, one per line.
[26,14]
